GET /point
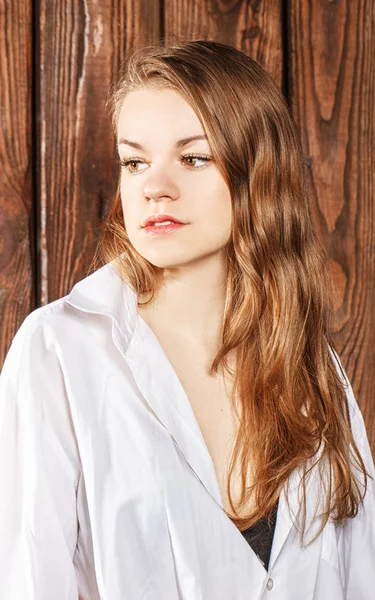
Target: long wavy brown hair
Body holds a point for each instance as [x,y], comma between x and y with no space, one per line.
[287,392]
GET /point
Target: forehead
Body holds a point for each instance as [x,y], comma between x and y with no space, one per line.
[157,113]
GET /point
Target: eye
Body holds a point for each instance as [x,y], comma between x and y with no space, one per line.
[188,158]
[133,162]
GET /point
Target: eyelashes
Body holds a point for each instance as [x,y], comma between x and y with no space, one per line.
[184,157]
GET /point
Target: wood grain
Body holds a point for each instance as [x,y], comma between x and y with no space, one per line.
[332,87]
[81,48]
[254,27]
[16,220]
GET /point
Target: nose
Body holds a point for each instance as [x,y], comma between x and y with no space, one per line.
[160,187]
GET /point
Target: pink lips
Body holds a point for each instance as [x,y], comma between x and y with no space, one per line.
[157,230]
[159,218]
[150,228]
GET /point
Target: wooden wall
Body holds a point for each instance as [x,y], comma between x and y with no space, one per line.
[57,162]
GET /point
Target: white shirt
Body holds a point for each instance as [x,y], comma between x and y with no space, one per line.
[107,489]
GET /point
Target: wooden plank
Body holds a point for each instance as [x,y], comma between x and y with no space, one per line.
[81,47]
[16,222]
[253,27]
[332,84]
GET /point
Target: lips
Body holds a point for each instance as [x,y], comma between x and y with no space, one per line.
[159,219]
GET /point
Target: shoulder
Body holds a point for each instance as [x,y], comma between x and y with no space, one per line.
[71,319]
[52,340]
[36,332]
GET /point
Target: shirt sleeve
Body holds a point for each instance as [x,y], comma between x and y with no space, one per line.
[361,543]
[39,470]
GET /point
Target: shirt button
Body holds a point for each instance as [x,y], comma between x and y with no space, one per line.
[269,584]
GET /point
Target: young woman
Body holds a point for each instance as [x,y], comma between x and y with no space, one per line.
[179,426]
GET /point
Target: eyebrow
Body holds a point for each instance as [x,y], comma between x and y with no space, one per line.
[179,144]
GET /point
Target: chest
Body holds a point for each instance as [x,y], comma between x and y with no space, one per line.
[210,397]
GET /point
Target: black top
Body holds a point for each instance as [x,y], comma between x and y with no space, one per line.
[260,537]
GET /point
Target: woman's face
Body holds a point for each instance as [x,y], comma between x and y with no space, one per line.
[168,174]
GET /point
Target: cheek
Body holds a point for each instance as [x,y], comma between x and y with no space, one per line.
[221,208]
[225,216]
[215,224]
[128,210]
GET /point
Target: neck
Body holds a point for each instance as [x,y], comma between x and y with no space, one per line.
[190,304]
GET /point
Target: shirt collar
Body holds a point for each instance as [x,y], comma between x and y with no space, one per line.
[104,292]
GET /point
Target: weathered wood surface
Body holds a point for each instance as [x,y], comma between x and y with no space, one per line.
[252,27]
[16,218]
[332,88]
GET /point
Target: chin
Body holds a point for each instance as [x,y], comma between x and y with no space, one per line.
[167,264]
[169,260]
